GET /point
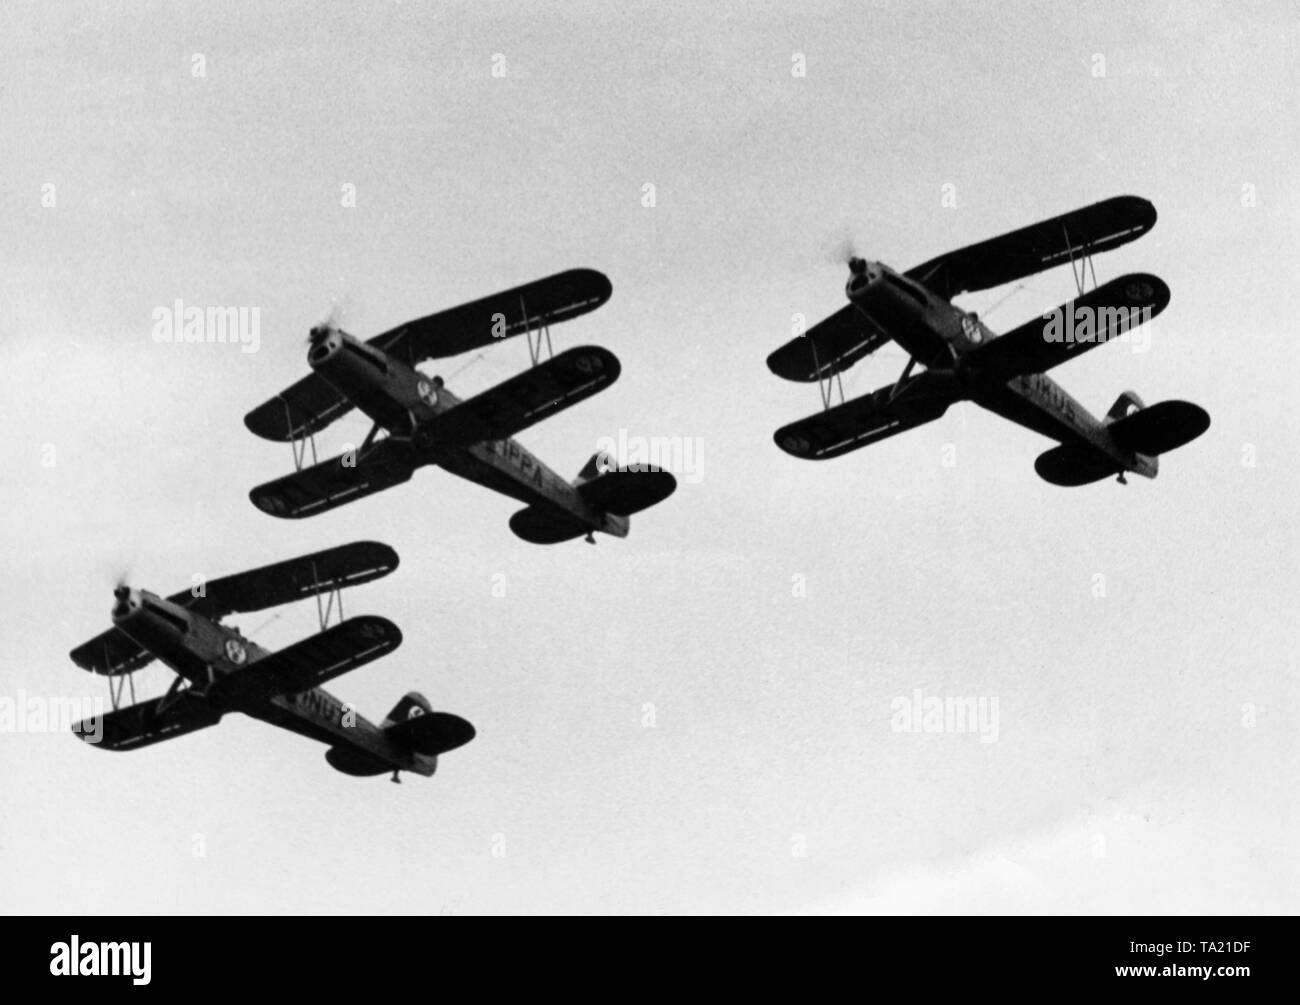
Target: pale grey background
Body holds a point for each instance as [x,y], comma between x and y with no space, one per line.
[1123,778]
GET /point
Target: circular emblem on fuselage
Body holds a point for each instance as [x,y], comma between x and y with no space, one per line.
[235,652]
[428,394]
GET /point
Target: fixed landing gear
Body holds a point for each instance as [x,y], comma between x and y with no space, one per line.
[395,780]
[590,538]
[1121,479]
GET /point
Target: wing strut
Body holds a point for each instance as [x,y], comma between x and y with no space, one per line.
[173,694]
[901,384]
[370,438]
[115,694]
[299,445]
[1085,262]
[535,347]
[336,594]
[826,388]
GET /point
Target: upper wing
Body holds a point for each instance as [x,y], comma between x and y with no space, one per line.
[311,662]
[305,407]
[1091,230]
[1073,328]
[111,652]
[332,483]
[148,722]
[313,403]
[831,345]
[294,579]
[528,398]
[872,417]
[542,302]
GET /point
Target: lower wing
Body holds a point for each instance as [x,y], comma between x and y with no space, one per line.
[874,416]
[528,398]
[112,652]
[830,346]
[311,662]
[1073,328]
[148,722]
[332,483]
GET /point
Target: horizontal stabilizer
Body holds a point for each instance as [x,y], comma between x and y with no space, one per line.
[1089,231]
[294,579]
[431,733]
[828,347]
[1072,465]
[149,722]
[315,660]
[332,483]
[872,417]
[623,493]
[111,653]
[1093,319]
[546,526]
[528,398]
[1160,428]
[354,761]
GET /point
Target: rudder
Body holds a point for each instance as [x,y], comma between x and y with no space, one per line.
[406,709]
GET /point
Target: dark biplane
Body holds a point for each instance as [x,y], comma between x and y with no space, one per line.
[424,423]
[220,671]
[953,356]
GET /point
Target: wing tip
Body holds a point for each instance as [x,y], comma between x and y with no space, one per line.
[1142,209]
[260,423]
[600,284]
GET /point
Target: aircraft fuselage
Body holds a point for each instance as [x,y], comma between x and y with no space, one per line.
[211,656]
[940,335]
[405,402]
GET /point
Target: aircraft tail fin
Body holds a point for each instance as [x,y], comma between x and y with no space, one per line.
[1148,431]
[412,725]
[412,704]
[593,469]
[1127,403]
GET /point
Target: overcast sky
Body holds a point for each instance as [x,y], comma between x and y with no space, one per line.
[697,718]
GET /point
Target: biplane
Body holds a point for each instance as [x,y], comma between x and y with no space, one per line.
[219,671]
[953,356]
[417,420]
